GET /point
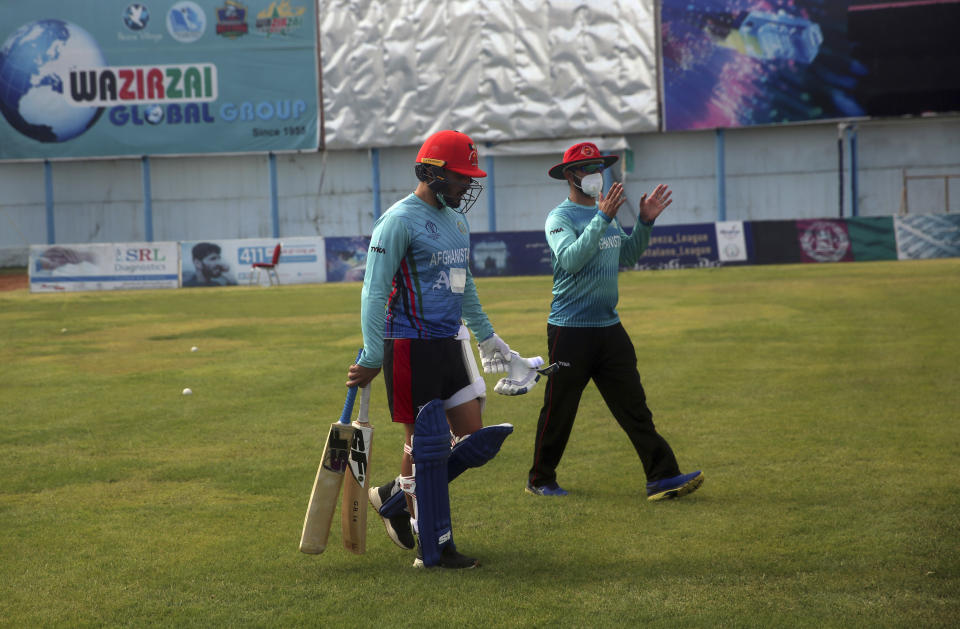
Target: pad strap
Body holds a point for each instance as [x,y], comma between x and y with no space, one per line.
[396,504]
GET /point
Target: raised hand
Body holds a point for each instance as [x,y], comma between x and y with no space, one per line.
[610,204]
[652,206]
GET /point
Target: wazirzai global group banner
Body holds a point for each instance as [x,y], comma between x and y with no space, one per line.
[115,78]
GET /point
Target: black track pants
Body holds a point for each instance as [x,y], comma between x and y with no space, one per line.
[607,356]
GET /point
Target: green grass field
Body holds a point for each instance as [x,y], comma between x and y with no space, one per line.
[821,401]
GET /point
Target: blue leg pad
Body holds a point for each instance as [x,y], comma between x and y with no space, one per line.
[476,449]
[431,449]
[473,451]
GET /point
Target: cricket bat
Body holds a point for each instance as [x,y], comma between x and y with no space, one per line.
[326,487]
[353,508]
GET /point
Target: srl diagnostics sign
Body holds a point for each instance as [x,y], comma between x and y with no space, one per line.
[113,266]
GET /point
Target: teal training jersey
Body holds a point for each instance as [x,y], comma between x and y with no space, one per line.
[417,282]
[587,251]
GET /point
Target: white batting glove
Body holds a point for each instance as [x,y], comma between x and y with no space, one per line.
[523,375]
[494,355]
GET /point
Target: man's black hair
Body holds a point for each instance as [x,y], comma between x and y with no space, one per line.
[202,249]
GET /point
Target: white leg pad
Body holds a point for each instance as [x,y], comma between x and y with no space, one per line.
[477,387]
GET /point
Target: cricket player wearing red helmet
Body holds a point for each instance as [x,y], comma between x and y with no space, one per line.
[447,164]
[417,293]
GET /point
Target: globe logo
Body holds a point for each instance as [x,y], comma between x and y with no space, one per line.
[153,114]
[136,17]
[35,64]
[186,22]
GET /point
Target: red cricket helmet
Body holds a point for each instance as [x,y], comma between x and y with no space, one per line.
[451,150]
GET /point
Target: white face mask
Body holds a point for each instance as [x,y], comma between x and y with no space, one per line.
[592,184]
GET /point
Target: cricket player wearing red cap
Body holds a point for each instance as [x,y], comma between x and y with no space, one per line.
[417,289]
[584,334]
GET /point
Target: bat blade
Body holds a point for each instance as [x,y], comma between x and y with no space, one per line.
[353,509]
[326,486]
[326,490]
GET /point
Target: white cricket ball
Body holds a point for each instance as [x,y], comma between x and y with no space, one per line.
[62,330]
[187,391]
[194,348]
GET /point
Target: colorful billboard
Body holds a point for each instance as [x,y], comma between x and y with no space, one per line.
[116,78]
[732,63]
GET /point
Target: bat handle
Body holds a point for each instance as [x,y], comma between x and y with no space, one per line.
[351,396]
[363,413]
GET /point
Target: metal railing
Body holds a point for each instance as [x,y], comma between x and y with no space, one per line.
[904,197]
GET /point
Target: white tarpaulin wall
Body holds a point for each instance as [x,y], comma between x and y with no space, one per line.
[395,72]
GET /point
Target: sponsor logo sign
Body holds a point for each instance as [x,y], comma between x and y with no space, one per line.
[731,243]
[136,16]
[186,22]
[232,20]
[117,266]
[104,87]
[280,18]
[824,241]
[82,79]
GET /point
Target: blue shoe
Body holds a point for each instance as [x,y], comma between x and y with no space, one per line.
[674,487]
[550,489]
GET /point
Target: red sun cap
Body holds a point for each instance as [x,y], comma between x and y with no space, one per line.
[451,150]
[582,153]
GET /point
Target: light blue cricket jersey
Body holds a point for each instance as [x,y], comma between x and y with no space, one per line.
[587,251]
[417,283]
